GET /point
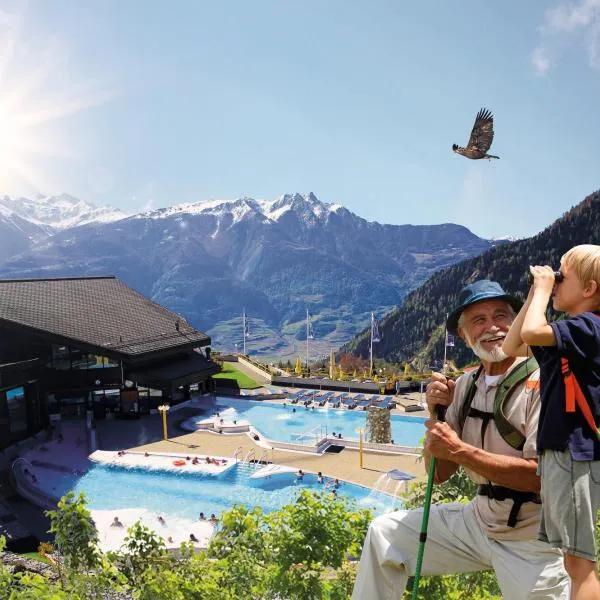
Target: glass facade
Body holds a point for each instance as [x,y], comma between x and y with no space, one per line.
[66,358]
[20,413]
[17,410]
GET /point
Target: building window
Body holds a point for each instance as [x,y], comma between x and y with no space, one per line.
[17,410]
[60,357]
[79,359]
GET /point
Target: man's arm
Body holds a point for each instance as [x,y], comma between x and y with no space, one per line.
[440,392]
[444,469]
[535,330]
[509,471]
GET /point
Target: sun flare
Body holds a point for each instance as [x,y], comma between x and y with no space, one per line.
[37,97]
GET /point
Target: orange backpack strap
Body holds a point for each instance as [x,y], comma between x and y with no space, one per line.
[574,395]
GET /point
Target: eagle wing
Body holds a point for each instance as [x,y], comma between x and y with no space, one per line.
[482,134]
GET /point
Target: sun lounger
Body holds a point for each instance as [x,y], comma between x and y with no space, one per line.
[349,403]
[364,404]
[334,402]
[388,402]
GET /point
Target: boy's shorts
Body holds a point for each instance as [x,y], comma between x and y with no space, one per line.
[570,500]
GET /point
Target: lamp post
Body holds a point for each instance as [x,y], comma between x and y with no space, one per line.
[360,446]
[164,409]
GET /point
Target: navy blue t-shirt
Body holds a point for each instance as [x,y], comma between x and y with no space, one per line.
[578,340]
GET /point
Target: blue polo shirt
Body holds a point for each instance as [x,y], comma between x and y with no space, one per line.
[578,340]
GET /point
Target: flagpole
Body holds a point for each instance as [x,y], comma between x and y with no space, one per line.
[445,351]
[371,351]
[307,332]
[244,329]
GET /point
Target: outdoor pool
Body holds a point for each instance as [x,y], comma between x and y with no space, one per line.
[181,496]
[287,423]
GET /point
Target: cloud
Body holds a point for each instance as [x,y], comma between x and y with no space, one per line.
[579,19]
[540,60]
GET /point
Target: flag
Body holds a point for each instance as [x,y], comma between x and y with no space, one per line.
[246,328]
[375,337]
[449,340]
[309,327]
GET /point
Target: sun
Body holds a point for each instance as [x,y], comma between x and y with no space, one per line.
[37,98]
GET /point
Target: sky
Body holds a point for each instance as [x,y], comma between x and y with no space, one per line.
[146,104]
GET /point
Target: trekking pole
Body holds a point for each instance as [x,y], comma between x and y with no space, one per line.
[440,412]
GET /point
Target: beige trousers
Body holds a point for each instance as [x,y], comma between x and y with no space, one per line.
[455,544]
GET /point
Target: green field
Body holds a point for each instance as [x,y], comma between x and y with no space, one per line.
[229,371]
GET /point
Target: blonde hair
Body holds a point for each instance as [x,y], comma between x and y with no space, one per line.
[585,261]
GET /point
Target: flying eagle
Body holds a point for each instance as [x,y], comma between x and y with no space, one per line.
[481,137]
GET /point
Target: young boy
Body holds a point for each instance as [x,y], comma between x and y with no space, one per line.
[569,447]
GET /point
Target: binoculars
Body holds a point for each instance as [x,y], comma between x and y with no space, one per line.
[558,277]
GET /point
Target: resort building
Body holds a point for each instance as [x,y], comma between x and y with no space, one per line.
[91,345]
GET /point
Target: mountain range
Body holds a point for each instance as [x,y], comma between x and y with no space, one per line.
[209,261]
[414,331]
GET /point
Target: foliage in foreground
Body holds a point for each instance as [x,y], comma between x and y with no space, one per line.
[298,553]
[301,552]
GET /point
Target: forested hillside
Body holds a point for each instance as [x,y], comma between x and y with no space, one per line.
[414,331]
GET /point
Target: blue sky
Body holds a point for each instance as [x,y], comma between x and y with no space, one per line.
[146,104]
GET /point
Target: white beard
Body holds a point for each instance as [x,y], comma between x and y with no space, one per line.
[494,356]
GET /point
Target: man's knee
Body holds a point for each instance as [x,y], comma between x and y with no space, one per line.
[388,535]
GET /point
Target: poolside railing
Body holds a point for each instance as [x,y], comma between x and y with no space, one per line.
[237,454]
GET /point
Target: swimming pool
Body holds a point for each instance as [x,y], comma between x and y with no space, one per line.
[286,423]
[184,495]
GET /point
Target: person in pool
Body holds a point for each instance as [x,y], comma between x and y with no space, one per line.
[116,523]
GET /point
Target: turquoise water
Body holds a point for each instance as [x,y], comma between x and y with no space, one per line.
[281,423]
[186,494]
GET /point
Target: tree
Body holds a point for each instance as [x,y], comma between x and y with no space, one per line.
[310,537]
[74,532]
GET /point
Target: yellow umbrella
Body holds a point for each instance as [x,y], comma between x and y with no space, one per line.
[298,368]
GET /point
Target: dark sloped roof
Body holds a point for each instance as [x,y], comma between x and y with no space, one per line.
[175,371]
[96,311]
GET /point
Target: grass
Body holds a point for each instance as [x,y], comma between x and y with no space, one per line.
[36,556]
[230,372]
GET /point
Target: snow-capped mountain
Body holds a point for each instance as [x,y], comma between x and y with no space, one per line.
[208,259]
[59,212]
[307,205]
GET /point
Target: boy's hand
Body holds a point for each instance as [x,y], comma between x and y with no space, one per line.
[439,392]
[543,278]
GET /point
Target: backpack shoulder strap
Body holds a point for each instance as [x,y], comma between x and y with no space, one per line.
[505,428]
[470,394]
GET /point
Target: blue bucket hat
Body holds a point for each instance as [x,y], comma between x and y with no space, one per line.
[484,289]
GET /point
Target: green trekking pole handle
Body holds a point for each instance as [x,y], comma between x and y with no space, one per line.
[440,412]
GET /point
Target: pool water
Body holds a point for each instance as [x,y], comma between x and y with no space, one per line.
[185,495]
[278,422]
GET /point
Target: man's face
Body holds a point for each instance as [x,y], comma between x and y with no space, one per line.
[484,326]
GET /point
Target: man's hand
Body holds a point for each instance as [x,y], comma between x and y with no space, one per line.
[439,392]
[441,440]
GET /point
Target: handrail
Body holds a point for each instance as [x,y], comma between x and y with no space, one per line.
[264,457]
[252,454]
[238,452]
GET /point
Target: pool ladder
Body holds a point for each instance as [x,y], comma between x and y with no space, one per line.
[238,453]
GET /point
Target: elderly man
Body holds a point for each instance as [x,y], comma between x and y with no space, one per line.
[490,430]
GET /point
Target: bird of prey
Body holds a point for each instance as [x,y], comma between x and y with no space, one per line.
[481,137]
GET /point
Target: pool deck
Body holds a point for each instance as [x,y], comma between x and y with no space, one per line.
[344,465]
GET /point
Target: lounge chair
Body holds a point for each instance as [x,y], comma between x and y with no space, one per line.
[334,402]
[321,400]
[364,404]
[388,402]
[349,403]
